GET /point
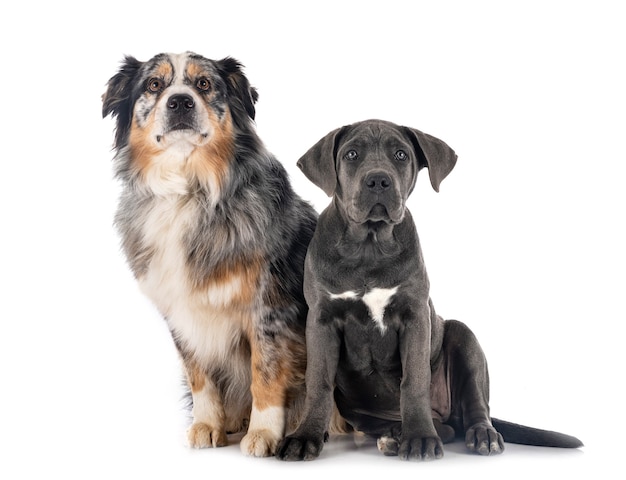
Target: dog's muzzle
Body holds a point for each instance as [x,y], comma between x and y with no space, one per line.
[181,112]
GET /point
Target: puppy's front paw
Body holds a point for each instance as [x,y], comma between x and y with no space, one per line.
[299,448]
[484,439]
[421,448]
[201,435]
[259,443]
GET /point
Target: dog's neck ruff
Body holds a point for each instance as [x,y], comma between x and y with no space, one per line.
[174,173]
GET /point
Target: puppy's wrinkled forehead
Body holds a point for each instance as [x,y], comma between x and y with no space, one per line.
[374,129]
[374,135]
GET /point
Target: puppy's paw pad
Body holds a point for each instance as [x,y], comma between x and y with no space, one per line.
[201,435]
[259,443]
[484,440]
[388,446]
[299,448]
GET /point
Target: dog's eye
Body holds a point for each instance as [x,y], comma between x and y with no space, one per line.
[203,84]
[155,85]
[401,155]
[351,155]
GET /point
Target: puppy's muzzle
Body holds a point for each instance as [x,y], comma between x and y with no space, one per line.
[377,198]
[378,182]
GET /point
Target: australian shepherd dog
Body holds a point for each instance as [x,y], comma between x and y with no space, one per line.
[216,238]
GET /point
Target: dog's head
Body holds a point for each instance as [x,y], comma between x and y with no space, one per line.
[371,167]
[175,104]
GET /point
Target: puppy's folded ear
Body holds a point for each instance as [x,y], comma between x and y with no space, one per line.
[242,95]
[434,154]
[318,164]
[117,100]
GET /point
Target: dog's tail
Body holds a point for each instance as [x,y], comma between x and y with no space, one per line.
[523,435]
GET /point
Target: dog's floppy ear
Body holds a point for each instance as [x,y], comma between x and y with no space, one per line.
[318,163]
[117,100]
[242,96]
[434,154]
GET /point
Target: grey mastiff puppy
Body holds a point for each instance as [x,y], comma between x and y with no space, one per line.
[397,370]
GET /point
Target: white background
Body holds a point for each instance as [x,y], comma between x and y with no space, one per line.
[525,241]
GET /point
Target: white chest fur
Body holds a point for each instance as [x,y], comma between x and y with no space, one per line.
[166,279]
[376,300]
[200,318]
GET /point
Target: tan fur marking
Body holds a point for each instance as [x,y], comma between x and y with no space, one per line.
[142,151]
[195,376]
[194,70]
[271,383]
[163,70]
[245,272]
[268,392]
[210,163]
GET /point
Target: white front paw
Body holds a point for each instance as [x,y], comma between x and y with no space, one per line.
[201,435]
[259,443]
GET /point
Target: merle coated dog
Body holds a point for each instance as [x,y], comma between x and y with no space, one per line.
[397,370]
[216,238]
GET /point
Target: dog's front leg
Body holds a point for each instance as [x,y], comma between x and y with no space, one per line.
[323,343]
[419,439]
[274,365]
[207,429]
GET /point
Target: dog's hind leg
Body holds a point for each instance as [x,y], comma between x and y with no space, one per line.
[469,382]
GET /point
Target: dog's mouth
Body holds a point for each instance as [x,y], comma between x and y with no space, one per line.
[378,213]
[181,131]
[181,126]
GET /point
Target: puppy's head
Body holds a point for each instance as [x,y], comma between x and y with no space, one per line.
[174,104]
[371,167]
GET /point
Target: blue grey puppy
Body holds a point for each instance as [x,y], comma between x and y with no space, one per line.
[396,369]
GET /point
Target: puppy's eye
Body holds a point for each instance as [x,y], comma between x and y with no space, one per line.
[155,85]
[401,156]
[351,155]
[203,84]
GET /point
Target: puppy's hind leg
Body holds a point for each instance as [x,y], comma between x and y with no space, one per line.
[389,443]
[469,381]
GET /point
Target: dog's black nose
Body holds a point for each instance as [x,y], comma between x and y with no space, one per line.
[378,182]
[180,103]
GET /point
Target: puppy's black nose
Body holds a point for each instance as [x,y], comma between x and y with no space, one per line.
[180,103]
[377,182]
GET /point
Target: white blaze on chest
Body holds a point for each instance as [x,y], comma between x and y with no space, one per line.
[199,317]
[349,295]
[376,300]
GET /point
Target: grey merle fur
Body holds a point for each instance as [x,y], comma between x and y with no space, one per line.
[257,215]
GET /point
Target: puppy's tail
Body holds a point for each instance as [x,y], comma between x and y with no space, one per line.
[523,435]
